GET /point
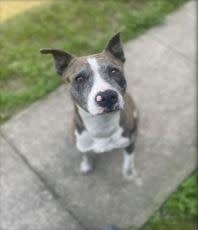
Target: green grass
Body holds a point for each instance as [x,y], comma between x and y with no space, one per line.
[80,27]
[180,211]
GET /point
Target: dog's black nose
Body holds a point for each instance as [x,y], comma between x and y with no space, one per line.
[107,99]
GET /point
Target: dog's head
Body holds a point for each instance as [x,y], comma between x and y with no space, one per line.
[97,82]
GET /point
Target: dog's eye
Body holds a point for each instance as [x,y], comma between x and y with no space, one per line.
[114,72]
[80,78]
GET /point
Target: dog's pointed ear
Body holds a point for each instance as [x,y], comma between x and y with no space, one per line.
[61,59]
[115,47]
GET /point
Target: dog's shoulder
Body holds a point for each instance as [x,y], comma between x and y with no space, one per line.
[129,116]
[78,122]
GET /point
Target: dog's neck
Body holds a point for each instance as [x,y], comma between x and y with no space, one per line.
[100,125]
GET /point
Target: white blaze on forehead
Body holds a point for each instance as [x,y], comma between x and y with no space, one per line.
[99,85]
[94,65]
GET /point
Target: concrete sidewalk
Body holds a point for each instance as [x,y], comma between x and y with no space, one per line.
[41,187]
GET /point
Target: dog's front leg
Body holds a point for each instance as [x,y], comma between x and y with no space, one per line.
[129,171]
[86,165]
[128,162]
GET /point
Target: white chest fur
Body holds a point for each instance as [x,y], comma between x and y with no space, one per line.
[103,133]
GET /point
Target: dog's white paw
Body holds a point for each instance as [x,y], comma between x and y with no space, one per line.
[86,167]
[131,175]
[128,174]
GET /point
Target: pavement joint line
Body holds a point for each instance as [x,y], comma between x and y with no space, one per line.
[169,47]
[49,188]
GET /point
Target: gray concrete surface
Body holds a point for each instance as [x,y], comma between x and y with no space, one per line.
[25,203]
[161,70]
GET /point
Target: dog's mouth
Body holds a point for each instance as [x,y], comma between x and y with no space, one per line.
[115,108]
[109,110]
